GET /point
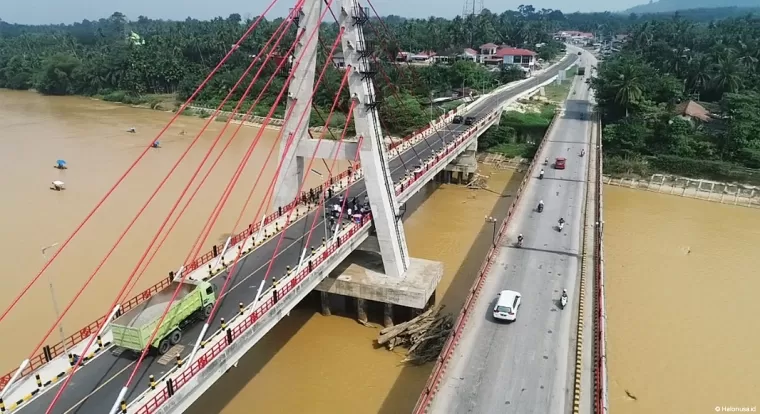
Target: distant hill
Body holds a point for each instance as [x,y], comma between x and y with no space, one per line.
[669,6]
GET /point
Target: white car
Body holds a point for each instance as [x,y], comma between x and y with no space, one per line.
[507,304]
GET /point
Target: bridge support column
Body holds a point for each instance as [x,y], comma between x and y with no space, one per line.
[324,299]
[361,310]
[466,164]
[374,159]
[299,95]
[388,315]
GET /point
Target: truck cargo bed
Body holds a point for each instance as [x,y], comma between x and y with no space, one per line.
[151,310]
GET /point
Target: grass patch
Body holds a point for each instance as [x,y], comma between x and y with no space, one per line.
[558,92]
[514,149]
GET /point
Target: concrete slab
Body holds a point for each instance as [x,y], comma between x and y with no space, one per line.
[361,276]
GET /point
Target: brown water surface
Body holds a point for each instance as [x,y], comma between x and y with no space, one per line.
[682,302]
[309,363]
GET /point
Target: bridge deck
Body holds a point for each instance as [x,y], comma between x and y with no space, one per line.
[527,366]
[97,384]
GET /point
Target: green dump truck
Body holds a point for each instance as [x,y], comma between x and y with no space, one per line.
[133,329]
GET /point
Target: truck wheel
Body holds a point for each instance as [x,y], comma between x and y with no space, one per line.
[163,346]
[207,310]
[175,337]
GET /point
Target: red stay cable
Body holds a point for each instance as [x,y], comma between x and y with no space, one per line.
[274,145]
[203,235]
[286,24]
[153,241]
[133,165]
[335,159]
[141,211]
[231,271]
[308,169]
[184,277]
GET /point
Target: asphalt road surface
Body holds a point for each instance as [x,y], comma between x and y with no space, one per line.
[96,386]
[523,367]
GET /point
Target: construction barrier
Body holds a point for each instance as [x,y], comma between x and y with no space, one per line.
[601,405]
[431,387]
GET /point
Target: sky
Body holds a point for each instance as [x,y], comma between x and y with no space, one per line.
[69,11]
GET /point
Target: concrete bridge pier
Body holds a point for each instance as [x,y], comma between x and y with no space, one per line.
[381,270]
[465,165]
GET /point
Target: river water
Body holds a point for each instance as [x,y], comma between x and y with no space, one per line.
[680,276]
[329,363]
[682,302]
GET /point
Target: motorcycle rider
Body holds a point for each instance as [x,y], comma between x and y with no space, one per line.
[519,239]
[583,152]
[563,299]
[561,223]
[546,161]
[564,293]
[540,205]
[541,174]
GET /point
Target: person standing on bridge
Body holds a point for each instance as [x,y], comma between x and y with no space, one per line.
[332,225]
[274,289]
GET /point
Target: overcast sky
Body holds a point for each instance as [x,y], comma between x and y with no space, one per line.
[68,11]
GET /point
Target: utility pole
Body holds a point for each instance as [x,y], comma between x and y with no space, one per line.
[52,296]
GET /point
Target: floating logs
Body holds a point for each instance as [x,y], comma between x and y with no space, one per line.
[423,337]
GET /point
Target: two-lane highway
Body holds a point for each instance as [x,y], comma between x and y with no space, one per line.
[524,367]
[95,388]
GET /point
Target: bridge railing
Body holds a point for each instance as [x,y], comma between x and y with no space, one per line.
[172,385]
[436,158]
[600,317]
[431,387]
[49,352]
[426,130]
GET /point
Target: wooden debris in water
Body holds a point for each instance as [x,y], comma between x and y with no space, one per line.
[423,337]
[479,181]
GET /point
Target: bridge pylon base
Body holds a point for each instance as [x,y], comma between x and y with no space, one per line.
[361,276]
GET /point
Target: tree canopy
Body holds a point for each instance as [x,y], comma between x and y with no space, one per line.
[669,66]
[131,61]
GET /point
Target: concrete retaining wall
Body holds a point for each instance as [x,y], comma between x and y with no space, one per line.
[601,398]
[715,191]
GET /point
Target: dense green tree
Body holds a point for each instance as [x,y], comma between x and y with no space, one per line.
[665,64]
[130,61]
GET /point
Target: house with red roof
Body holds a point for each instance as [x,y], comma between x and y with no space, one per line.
[469,54]
[488,49]
[492,54]
[515,56]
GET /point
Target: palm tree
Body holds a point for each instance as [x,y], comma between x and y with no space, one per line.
[628,86]
[698,74]
[728,75]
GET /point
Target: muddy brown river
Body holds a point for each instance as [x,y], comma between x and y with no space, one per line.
[329,363]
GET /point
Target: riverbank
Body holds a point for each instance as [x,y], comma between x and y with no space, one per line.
[701,189]
[664,355]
